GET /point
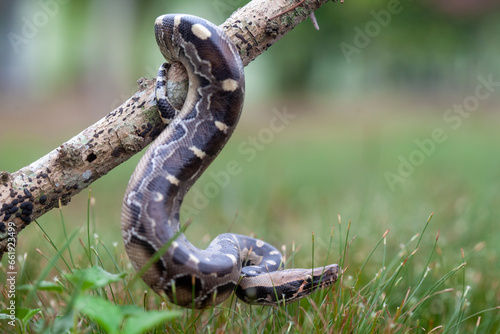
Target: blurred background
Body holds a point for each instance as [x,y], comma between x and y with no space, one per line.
[391,113]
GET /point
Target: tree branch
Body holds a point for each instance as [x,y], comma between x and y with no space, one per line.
[33,190]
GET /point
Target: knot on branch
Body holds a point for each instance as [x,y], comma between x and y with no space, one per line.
[69,156]
[4,176]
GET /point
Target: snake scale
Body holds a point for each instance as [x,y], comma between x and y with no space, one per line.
[191,277]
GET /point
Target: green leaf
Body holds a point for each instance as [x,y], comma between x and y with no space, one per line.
[106,314]
[143,321]
[42,286]
[93,278]
[25,314]
[4,315]
[22,314]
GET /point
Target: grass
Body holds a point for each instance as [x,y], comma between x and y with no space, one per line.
[97,294]
[404,272]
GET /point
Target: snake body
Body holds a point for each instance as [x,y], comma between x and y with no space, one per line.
[191,277]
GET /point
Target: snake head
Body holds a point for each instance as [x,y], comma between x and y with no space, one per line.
[286,286]
[307,281]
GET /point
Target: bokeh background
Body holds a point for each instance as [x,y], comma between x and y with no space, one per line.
[376,133]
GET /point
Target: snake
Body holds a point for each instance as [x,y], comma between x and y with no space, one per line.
[191,277]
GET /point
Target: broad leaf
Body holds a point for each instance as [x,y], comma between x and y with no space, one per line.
[93,278]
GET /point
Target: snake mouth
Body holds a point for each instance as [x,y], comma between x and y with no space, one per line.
[327,274]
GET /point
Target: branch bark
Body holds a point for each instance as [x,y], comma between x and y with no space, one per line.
[37,188]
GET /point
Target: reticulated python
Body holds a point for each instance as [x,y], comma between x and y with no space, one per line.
[191,277]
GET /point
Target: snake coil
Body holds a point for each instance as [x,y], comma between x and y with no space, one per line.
[191,277]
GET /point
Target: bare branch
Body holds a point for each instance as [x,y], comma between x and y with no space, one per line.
[33,190]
